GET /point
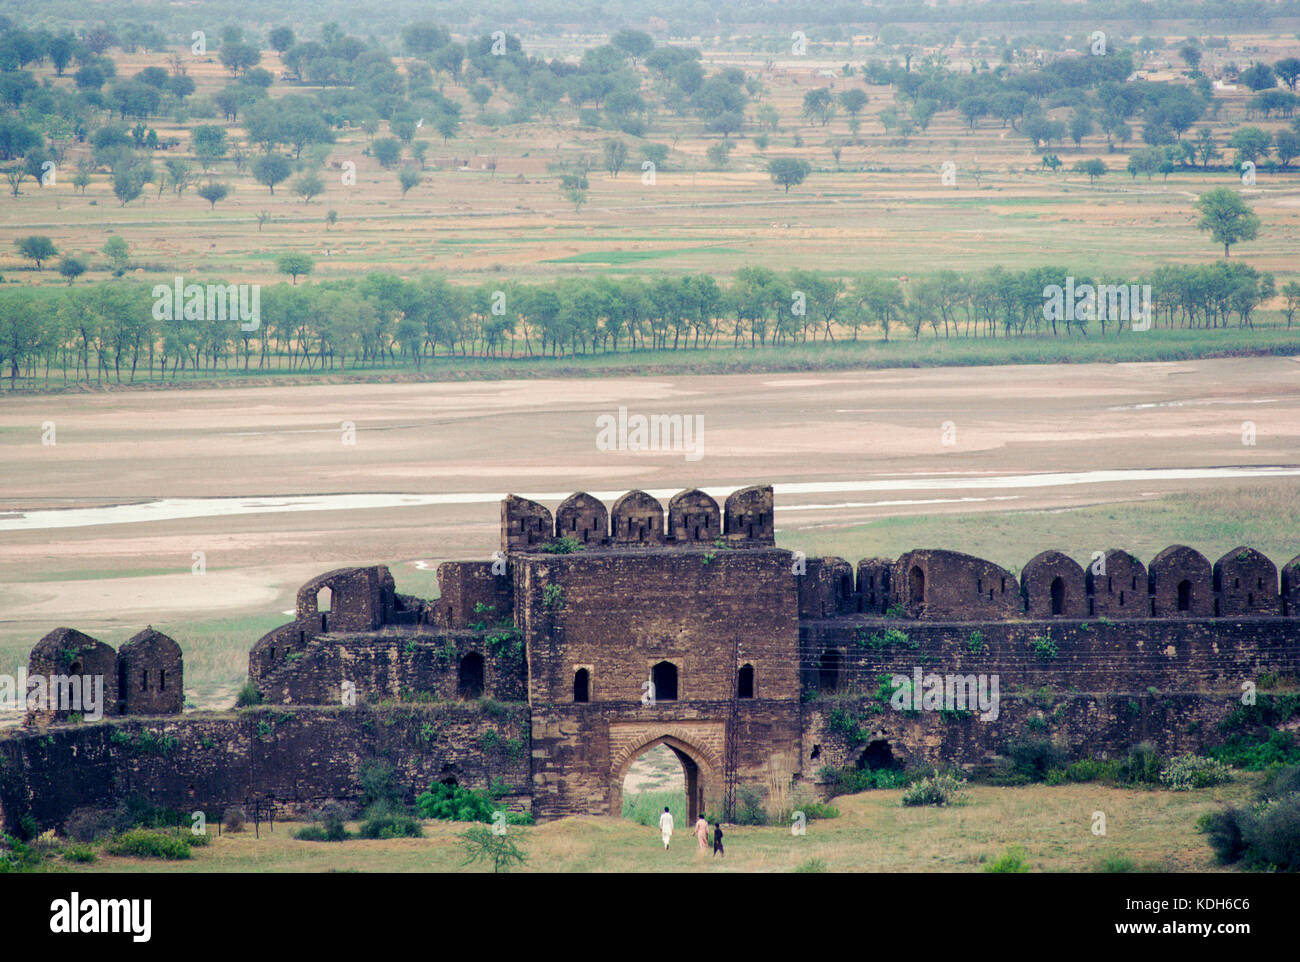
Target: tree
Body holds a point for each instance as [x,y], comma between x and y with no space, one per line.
[1286,144]
[853,101]
[447,124]
[213,192]
[615,151]
[239,56]
[15,175]
[281,39]
[634,43]
[118,251]
[1288,70]
[1250,143]
[271,169]
[208,141]
[129,181]
[1291,291]
[788,172]
[719,153]
[38,248]
[407,178]
[1206,148]
[307,186]
[294,265]
[263,218]
[1258,77]
[1227,217]
[1094,168]
[388,151]
[481,845]
[71,267]
[331,218]
[1191,54]
[818,105]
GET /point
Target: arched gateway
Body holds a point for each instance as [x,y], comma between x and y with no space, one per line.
[701,766]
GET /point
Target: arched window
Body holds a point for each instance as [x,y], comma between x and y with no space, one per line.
[828,671]
[471,676]
[582,685]
[1058,596]
[324,599]
[664,675]
[916,585]
[1184,595]
[745,682]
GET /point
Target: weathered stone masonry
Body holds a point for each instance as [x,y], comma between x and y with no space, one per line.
[537,669]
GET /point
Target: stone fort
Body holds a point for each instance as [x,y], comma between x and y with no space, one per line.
[596,633]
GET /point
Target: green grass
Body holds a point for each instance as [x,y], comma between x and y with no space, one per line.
[644,808]
[874,833]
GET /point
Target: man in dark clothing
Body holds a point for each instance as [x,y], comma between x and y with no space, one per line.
[717,840]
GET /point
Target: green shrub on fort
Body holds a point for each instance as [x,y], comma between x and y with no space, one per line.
[458,804]
[564,545]
[881,640]
[390,825]
[976,643]
[850,780]
[248,696]
[1255,752]
[1044,646]
[552,597]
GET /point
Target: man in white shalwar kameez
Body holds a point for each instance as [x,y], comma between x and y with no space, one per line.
[666,826]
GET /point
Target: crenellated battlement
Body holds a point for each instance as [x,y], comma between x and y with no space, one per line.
[637,519]
[939,585]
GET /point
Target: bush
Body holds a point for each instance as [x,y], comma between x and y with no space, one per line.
[1225,834]
[1187,772]
[454,803]
[234,819]
[89,824]
[937,790]
[328,824]
[1272,837]
[1033,758]
[1142,767]
[248,696]
[750,809]
[1115,864]
[1280,781]
[379,786]
[380,824]
[145,843]
[1010,861]
[1256,752]
[812,865]
[80,853]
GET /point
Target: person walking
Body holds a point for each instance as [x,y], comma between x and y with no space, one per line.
[717,840]
[702,833]
[666,826]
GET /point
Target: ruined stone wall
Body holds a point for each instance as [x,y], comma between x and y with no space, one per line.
[1084,726]
[388,665]
[294,758]
[1177,655]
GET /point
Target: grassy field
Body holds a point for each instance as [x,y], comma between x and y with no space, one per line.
[1153,831]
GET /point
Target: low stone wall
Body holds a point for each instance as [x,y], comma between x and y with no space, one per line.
[293,758]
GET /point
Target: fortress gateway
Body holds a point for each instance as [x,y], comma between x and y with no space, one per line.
[596,634]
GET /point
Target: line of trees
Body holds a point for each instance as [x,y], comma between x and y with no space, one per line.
[108,331]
